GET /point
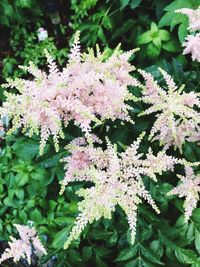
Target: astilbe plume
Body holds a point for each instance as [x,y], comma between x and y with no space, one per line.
[193,16]
[189,188]
[192,41]
[116,179]
[88,89]
[23,247]
[177,119]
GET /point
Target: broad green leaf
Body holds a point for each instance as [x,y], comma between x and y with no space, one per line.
[127,253]
[157,42]
[123,4]
[152,51]
[164,35]
[154,27]
[135,3]
[186,256]
[20,193]
[26,148]
[145,38]
[150,255]
[171,46]
[197,240]
[61,237]
[36,216]
[157,248]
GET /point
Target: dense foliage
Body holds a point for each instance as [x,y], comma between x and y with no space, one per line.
[32,172]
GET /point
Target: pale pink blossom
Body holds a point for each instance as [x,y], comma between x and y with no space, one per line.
[176,112]
[194,17]
[89,89]
[116,179]
[192,45]
[189,188]
[23,247]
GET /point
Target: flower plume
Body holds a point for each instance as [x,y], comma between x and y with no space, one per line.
[116,178]
[89,89]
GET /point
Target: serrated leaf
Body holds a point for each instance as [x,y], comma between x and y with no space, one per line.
[186,256]
[157,248]
[127,253]
[149,255]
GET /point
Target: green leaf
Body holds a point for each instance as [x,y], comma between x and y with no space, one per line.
[135,3]
[150,255]
[157,248]
[23,216]
[87,253]
[190,232]
[164,35]
[154,27]
[36,216]
[123,4]
[100,262]
[127,253]
[153,51]
[197,241]
[101,35]
[24,3]
[26,148]
[51,161]
[182,31]
[145,38]
[21,179]
[19,193]
[157,42]
[171,46]
[186,256]
[61,237]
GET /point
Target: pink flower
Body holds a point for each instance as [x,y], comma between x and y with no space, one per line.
[22,248]
[90,89]
[194,17]
[192,45]
[116,178]
[189,188]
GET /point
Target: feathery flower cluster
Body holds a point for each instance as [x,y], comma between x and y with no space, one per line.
[192,42]
[116,179]
[176,118]
[189,188]
[23,247]
[88,89]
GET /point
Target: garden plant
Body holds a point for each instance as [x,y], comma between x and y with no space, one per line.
[100,133]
